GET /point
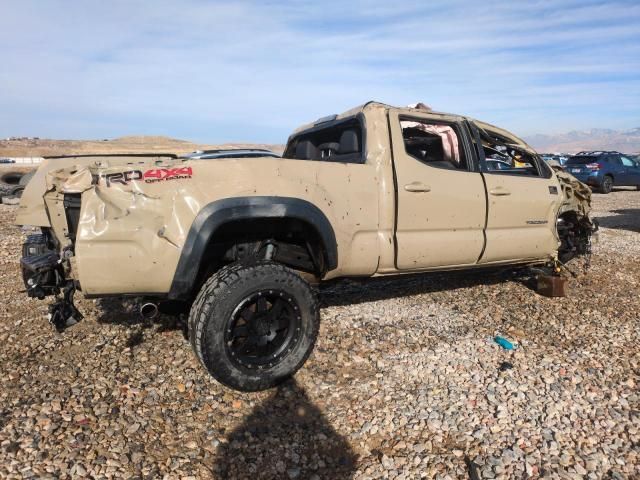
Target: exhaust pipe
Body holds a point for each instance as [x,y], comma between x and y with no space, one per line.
[149,310]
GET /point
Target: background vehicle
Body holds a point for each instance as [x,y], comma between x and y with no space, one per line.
[493,164]
[231,153]
[376,190]
[552,157]
[604,170]
[7,160]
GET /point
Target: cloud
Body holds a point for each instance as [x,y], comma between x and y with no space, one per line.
[217,71]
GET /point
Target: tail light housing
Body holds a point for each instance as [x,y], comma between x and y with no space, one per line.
[593,166]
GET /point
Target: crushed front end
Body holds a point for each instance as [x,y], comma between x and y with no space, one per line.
[574,225]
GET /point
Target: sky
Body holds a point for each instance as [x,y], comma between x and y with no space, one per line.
[218,71]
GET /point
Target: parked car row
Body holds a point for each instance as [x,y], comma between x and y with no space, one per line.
[599,169]
[603,170]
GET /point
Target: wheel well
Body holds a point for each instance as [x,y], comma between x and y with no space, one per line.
[574,231]
[11,178]
[290,241]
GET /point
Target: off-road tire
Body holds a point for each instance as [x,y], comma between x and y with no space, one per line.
[215,306]
[26,178]
[607,184]
[11,178]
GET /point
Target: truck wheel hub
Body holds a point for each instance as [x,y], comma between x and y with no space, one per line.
[263,329]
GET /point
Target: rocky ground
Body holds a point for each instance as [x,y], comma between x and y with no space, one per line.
[405,382]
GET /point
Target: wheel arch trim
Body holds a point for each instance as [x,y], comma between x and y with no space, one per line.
[215,214]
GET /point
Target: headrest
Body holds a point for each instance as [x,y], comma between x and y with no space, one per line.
[305,150]
[349,142]
[331,146]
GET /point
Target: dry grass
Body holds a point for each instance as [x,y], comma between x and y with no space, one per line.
[129,144]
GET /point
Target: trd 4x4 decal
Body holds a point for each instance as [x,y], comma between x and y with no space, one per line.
[149,176]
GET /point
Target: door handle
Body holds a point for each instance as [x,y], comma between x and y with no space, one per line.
[499,192]
[417,187]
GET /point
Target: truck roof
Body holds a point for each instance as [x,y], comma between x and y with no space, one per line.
[371,105]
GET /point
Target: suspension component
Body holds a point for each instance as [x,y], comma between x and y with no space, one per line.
[63,313]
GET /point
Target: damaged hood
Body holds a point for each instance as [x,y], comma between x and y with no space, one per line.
[576,195]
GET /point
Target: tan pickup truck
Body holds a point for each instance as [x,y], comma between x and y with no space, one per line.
[376,190]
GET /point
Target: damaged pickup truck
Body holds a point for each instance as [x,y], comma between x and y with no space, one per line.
[238,242]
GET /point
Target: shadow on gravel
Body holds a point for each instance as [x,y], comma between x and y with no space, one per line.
[285,437]
[125,313]
[625,219]
[119,312]
[361,290]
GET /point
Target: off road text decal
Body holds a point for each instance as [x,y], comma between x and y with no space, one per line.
[149,176]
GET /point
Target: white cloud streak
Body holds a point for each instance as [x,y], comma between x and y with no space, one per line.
[216,71]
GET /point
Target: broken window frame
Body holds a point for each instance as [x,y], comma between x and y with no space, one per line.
[463,136]
[543,170]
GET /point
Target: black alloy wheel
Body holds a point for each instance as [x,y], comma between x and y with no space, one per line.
[262,329]
[252,326]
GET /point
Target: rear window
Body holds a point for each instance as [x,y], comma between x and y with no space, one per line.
[582,160]
[340,141]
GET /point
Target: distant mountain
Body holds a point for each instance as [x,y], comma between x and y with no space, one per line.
[626,141]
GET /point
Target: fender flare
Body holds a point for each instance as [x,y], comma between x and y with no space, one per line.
[215,214]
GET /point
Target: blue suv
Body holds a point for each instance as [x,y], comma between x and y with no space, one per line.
[604,170]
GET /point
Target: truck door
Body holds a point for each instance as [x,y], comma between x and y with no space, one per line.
[441,199]
[523,202]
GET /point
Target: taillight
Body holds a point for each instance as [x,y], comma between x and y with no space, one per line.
[593,166]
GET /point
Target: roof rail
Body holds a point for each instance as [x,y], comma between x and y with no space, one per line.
[598,152]
[84,155]
[220,150]
[328,118]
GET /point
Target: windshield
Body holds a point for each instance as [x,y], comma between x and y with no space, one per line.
[581,160]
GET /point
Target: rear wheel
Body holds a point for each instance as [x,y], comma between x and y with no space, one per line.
[607,184]
[253,326]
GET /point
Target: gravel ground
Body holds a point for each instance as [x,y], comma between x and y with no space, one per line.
[405,382]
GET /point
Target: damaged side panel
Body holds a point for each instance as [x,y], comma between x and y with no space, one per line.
[133,222]
[136,234]
[129,232]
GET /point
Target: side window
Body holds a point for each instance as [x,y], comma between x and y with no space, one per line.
[505,158]
[435,145]
[336,142]
[627,162]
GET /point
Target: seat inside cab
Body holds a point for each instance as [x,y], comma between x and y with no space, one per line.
[334,143]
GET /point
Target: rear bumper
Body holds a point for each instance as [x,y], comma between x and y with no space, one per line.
[591,179]
[42,272]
